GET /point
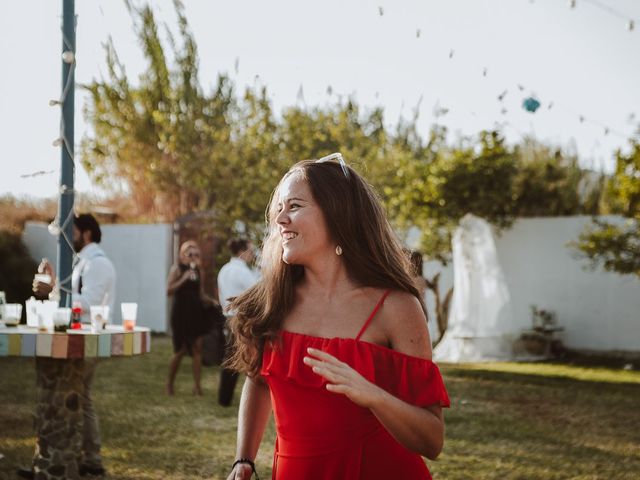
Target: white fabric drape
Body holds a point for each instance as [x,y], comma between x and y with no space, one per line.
[480,325]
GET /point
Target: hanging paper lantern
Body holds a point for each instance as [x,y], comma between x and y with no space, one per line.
[530,104]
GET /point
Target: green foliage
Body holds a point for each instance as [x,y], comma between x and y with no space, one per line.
[15,212]
[436,189]
[550,183]
[171,143]
[180,150]
[624,186]
[615,246]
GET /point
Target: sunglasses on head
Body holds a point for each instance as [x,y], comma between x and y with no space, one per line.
[336,158]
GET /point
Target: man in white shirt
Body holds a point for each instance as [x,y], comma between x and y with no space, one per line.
[234,277]
[93,282]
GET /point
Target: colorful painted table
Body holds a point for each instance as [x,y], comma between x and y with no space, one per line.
[62,361]
[76,344]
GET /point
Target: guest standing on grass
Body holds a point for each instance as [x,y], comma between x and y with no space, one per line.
[334,338]
[234,277]
[190,318]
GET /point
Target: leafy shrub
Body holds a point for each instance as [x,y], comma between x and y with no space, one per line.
[16,267]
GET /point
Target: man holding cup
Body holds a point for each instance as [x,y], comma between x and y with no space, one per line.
[93,283]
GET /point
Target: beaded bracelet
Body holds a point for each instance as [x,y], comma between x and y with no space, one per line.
[248,462]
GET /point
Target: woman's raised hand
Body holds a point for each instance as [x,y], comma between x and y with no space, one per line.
[343,379]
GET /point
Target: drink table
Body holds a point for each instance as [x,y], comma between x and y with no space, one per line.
[61,359]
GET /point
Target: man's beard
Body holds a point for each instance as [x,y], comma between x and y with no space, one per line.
[78,245]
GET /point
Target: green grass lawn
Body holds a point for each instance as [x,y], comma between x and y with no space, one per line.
[507,421]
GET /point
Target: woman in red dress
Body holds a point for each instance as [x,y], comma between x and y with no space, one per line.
[334,339]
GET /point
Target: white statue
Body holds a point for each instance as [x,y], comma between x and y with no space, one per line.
[480,325]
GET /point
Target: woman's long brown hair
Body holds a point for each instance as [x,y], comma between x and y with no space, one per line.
[372,254]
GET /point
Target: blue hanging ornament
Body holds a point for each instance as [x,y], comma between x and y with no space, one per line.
[530,104]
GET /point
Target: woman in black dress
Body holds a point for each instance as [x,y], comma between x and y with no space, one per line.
[189,316]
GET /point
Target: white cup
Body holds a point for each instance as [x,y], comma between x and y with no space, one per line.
[31,305]
[129,315]
[61,319]
[99,317]
[11,314]
[45,311]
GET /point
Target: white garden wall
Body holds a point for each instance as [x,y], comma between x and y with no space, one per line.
[599,310]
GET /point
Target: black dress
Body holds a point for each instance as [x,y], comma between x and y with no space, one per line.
[189,317]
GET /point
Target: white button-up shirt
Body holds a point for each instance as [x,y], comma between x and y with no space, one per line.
[234,278]
[98,280]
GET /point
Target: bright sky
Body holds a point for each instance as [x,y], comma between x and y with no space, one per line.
[584,60]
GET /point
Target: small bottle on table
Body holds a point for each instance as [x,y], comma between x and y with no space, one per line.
[76,314]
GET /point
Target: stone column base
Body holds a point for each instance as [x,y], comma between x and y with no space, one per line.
[58,419]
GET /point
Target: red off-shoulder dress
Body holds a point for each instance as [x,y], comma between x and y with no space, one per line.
[325,436]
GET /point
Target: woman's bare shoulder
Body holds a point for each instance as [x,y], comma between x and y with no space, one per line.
[405,324]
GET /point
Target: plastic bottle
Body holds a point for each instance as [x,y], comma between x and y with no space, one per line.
[76,313]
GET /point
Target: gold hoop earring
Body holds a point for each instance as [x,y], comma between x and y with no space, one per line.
[338,250]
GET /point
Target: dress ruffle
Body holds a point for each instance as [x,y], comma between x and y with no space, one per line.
[414,380]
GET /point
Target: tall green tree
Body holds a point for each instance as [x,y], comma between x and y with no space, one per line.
[551,182]
[177,148]
[435,190]
[615,246]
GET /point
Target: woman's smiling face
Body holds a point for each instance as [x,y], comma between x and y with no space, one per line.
[301,223]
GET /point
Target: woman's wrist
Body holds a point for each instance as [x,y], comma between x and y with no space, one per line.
[246,461]
[379,397]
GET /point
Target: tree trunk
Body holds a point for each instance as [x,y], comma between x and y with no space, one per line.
[442,306]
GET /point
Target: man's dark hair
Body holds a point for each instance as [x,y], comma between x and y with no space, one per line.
[86,221]
[237,245]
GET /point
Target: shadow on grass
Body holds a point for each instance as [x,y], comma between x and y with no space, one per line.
[528,426]
[542,378]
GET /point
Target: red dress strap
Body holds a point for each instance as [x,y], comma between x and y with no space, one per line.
[373,314]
